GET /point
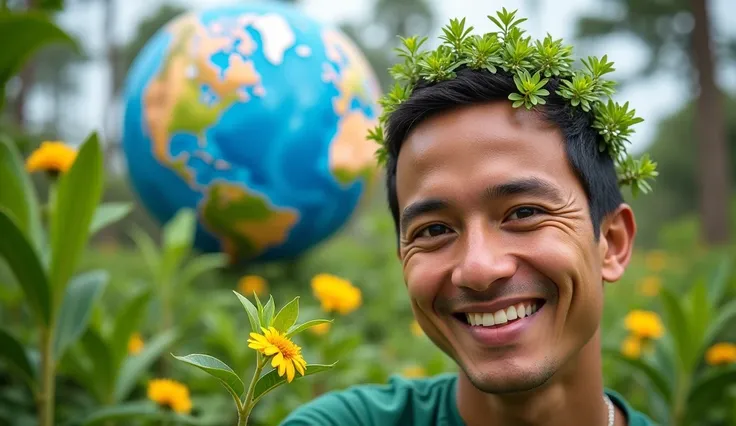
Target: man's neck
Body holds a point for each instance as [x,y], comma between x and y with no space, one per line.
[575,392]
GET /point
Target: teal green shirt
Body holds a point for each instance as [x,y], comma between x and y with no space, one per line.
[427,401]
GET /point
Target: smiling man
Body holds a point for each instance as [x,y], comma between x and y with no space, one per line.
[504,167]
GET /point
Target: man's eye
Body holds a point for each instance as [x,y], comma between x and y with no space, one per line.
[433,231]
[523,213]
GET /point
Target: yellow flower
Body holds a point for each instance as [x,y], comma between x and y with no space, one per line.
[721,354]
[655,260]
[644,324]
[414,371]
[649,286]
[631,347]
[135,344]
[171,394]
[287,356]
[416,329]
[336,294]
[52,156]
[250,284]
[320,329]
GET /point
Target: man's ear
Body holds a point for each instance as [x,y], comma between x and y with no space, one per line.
[617,235]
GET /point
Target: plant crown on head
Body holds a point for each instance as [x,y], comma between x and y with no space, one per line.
[532,64]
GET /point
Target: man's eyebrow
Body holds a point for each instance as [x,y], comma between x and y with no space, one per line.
[529,186]
[412,211]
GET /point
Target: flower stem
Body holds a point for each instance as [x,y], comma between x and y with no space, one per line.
[46,397]
[248,404]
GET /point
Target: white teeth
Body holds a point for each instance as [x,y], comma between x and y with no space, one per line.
[478,319]
[471,318]
[500,317]
[534,307]
[520,310]
[511,313]
[488,320]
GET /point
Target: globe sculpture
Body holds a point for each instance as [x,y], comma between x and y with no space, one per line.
[255,116]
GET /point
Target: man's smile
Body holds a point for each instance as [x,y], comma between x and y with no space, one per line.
[501,323]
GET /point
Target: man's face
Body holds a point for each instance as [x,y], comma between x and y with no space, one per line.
[494,222]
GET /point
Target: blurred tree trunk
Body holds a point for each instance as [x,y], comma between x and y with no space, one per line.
[713,155]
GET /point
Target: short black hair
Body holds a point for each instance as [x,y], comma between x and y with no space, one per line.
[594,169]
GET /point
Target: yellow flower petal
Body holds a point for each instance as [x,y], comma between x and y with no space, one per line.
[289,371]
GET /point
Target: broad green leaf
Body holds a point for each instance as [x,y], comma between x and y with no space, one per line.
[260,308]
[217,369]
[200,265]
[80,298]
[272,380]
[252,312]
[726,317]
[134,367]
[26,267]
[16,357]
[657,378]
[12,190]
[147,247]
[719,284]
[301,327]
[287,316]
[700,313]
[107,214]
[127,322]
[708,389]
[98,353]
[136,411]
[678,327]
[77,197]
[178,235]
[30,32]
[268,311]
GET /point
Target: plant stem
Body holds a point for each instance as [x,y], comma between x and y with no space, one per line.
[680,405]
[46,397]
[248,404]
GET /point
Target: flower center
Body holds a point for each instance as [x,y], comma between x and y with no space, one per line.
[288,349]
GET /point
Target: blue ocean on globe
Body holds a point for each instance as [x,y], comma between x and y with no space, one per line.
[255,116]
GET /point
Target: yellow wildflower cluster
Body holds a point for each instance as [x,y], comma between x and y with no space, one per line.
[135,344]
[52,156]
[721,354]
[170,394]
[250,284]
[287,356]
[336,294]
[643,327]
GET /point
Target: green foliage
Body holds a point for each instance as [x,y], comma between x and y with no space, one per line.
[531,64]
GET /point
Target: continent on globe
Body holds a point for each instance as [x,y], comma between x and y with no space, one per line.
[256,116]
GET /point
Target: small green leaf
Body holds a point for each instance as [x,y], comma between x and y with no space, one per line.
[272,380]
[700,313]
[267,319]
[100,358]
[134,367]
[655,376]
[252,312]
[178,236]
[26,266]
[79,192]
[301,327]
[107,214]
[719,283]
[16,357]
[217,369]
[147,247]
[200,265]
[678,327]
[726,317]
[80,298]
[287,316]
[128,321]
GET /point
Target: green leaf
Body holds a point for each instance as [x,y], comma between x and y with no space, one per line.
[252,312]
[30,32]
[217,369]
[677,325]
[707,389]
[700,313]
[287,316]
[136,411]
[656,377]
[127,322]
[726,317]
[16,357]
[29,216]
[200,265]
[26,267]
[268,310]
[134,367]
[178,235]
[719,284]
[107,214]
[301,327]
[147,247]
[272,380]
[98,352]
[78,194]
[76,309]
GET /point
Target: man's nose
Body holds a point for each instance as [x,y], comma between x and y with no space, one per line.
[482,259]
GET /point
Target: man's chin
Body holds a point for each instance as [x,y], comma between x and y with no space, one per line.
[507,380]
